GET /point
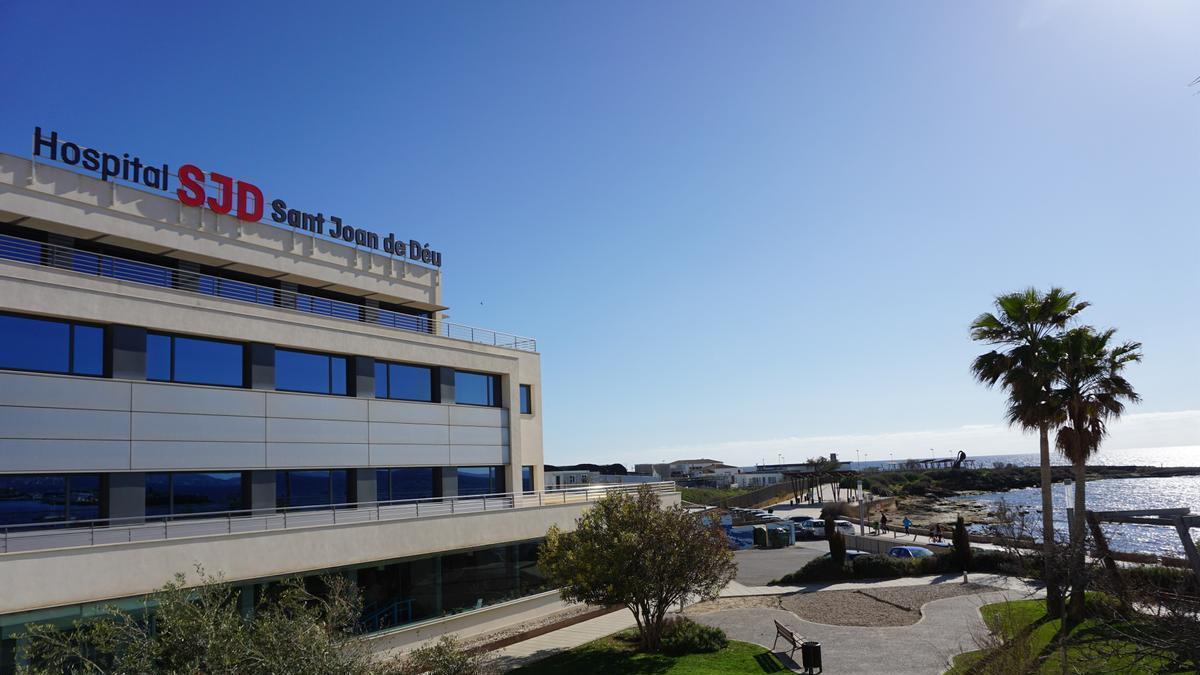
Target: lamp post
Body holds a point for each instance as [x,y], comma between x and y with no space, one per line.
[862,511]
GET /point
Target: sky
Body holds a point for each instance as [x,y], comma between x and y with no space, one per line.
[748,229]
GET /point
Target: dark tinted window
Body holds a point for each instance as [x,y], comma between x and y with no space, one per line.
[477,480]
[526,399]
[28,343]
[404,382]
[475,388]
[173,358]
[412,483]
[50,499]
[527,479]
[311,488]
[306,371]
[192,492]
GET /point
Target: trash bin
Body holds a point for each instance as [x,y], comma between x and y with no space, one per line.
[778,537]
[760,535]
[810,656]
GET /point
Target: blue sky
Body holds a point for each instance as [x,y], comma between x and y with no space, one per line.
[750,229]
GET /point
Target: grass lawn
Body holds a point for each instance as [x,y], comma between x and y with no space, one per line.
[710,496]
[1029,637]
[618,654]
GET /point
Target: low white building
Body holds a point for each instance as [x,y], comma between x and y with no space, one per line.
[757,479]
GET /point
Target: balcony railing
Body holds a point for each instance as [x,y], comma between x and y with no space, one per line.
[83,533]
[133,271]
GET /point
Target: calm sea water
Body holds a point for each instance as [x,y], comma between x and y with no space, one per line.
[1112,495]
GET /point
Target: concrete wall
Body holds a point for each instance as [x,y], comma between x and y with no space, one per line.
[77,205]
[53,423]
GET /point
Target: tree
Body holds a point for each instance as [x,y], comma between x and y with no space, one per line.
[837,541]
[962,544]
[1023,323]
[201,629]
[629,550]
[1092,390]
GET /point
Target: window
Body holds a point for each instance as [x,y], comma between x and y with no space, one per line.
[46,345]
[526,399]
[476,388]
[478,480]
[190,492]
[397,484]
[315,488]
[306,371]
[527,479]
[403,382]
[172,358]
[33,498]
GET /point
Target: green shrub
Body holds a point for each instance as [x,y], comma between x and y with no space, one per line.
[837,543]
[962,545]
[447,656]
[880,567]
[1168,579]
[817,569]
[684,636]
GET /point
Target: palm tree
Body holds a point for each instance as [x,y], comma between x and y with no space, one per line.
[1024,323]
[1092,390]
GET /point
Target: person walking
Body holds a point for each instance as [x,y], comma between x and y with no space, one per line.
[882,523]
[937,533]
[907,524]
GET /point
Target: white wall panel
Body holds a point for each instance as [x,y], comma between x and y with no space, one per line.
[285,455]
[175,398]
[409,412]
[178,455]
[396,454]
[172,427]
[421,434]
[478,436]
[315,431]
[477,416]
[63,392]
[470,455]
[59,455]
[316,407]
[62,423]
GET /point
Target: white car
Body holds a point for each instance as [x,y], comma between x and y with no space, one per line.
[815,528]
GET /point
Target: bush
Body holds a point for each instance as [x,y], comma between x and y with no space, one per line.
[837,543]
[818,569]
[684,636]
[962,545]
[445,657]
[881,567]
[1168,579]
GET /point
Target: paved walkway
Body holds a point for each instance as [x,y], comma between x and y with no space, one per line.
[538,648]
[947,627]
[1013,584]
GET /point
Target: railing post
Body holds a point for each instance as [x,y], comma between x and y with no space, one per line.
[228,523]
[92,527]
[452,505]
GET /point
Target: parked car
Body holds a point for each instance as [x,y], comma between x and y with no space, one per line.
[844,526]
[799,519]
[811,529]
[851,554]
[909,552]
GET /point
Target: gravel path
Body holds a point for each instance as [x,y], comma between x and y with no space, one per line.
[888,606]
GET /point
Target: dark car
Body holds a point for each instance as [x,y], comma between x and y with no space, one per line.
[909,552]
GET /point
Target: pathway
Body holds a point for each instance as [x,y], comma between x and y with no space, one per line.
[542,646]
[947,627]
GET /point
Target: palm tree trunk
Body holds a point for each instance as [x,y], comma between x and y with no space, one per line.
[1054,597]
[1075,606]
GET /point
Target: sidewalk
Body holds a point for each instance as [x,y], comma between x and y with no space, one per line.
[542,646]
[999,581]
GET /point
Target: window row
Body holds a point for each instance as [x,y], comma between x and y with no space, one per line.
[147,268]
[58,346]
[51,498]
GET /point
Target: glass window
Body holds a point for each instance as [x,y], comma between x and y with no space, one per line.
[477,480]
[30,499]
[383,491]
[313,488]
[404,382]
[412,483]
[174,358]
[475,388]
[47,345]
[526,399]
[527,479]
[192,492]
[309,372]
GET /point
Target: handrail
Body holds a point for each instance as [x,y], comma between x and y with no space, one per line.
[100,531]
[21,250]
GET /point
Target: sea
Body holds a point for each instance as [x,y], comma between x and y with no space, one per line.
[1115,494]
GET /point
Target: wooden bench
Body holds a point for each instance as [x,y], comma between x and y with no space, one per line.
[789,636]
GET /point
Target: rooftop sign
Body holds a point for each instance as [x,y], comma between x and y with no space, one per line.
[238,198]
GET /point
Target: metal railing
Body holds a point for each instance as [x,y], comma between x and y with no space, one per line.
[149,274]
[100,531]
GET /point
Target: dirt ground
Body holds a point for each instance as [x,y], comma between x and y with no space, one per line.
[886,606]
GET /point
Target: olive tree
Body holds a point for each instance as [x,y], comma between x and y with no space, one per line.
[629,550]
[194,629]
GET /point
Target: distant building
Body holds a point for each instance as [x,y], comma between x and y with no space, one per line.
[757,479]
